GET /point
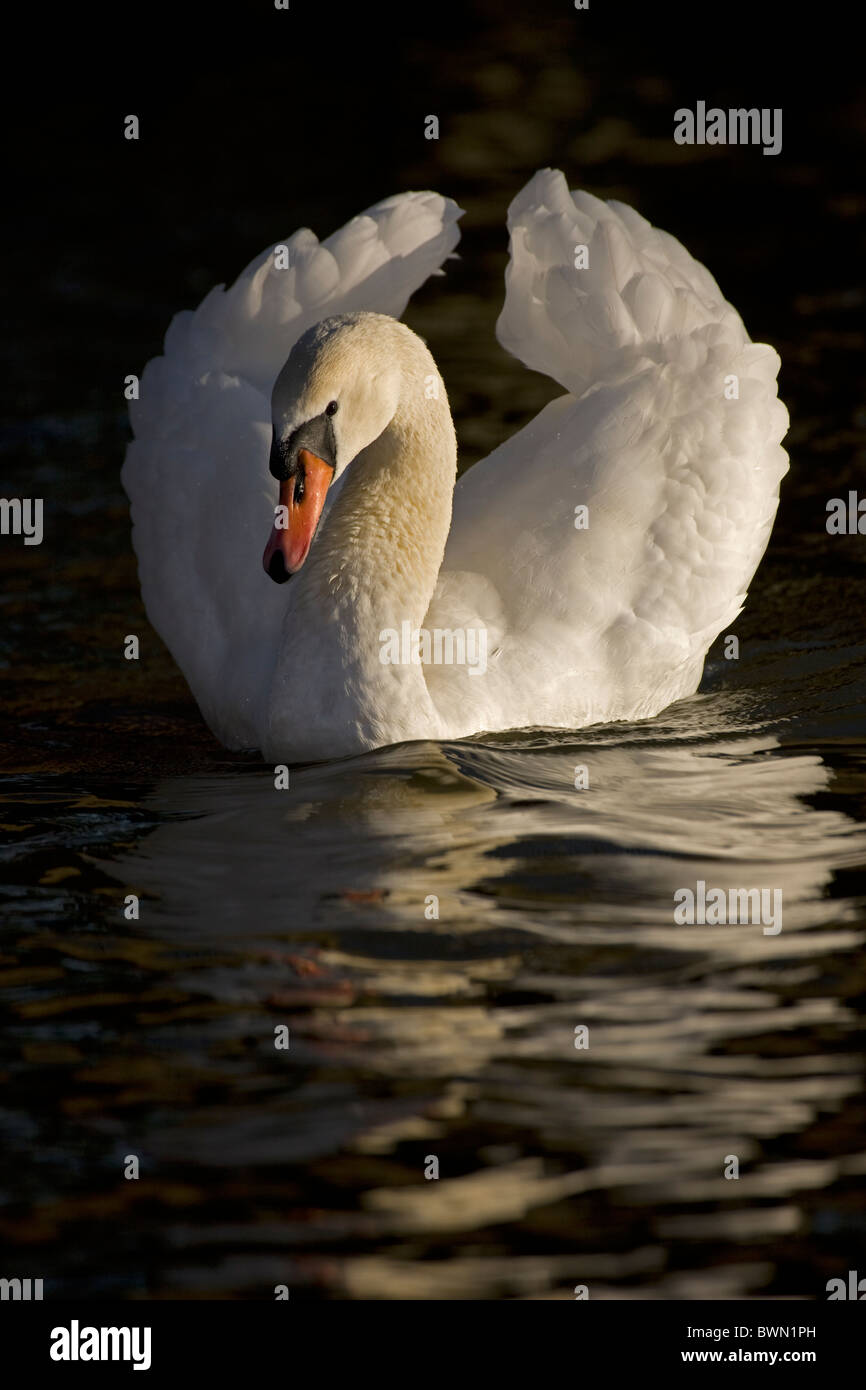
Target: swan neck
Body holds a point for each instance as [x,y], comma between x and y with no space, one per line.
[384,538]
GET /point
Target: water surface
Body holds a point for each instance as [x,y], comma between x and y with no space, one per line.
[414,1034]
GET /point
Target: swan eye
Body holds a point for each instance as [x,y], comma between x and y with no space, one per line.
[331,408]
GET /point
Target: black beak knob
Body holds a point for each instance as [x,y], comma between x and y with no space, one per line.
[277,569]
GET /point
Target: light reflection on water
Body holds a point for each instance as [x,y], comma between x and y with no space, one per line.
[452,1035]
[411,1035]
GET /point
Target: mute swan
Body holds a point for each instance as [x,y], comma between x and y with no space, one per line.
[594,556]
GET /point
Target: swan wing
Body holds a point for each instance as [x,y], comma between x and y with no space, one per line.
[196,472]
[668,435]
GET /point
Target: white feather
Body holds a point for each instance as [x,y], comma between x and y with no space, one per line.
[609,622]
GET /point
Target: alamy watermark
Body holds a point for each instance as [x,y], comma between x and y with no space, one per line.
[438,646]
[854,1289]
[714,907]
[846,518]
[737,126]
[21,1290]
[22,516]
[77,1343]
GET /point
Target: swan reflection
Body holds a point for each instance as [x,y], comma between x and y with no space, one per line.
[437,926]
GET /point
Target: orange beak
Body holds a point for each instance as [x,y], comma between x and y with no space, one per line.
[302,497]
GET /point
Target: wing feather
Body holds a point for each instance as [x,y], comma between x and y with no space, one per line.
[197,470]
[680,476]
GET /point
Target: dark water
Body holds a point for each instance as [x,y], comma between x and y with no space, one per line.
[413,1035]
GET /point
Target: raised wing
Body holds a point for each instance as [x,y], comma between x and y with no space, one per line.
[669,436]
[197,470]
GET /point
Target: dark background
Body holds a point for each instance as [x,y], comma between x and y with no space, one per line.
[116,1038]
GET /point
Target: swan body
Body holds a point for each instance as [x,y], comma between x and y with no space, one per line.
[598,552]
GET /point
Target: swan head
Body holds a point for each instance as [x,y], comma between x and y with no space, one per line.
[339,389]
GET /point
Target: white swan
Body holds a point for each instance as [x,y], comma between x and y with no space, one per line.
[288,391]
